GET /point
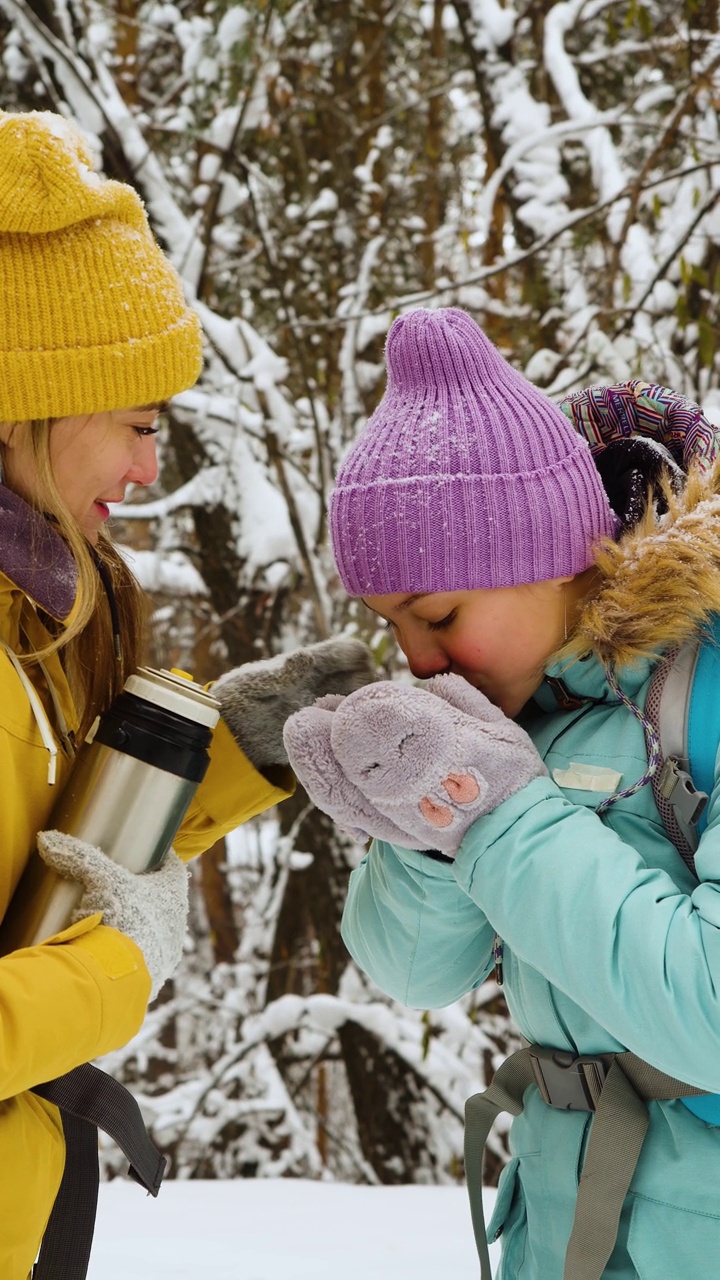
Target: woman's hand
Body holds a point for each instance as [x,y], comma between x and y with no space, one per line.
[413,766]
[257,698]
[150,908]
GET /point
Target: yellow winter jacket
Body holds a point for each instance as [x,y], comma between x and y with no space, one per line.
[84,992]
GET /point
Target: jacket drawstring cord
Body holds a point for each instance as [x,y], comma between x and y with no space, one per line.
[652,745]
[40,714]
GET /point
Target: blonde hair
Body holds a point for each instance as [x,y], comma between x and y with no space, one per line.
[95,664]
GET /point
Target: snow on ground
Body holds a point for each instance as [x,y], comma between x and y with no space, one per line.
[283,1229]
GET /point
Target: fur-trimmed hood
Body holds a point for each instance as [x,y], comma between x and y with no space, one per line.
[660,581]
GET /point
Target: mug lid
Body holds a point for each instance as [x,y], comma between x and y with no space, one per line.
[175,692]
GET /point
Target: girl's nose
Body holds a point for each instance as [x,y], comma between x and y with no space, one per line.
[144,469]
[426,659]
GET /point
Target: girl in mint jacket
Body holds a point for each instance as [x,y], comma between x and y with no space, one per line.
[535,574]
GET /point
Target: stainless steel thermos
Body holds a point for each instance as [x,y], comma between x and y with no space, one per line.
[130,787]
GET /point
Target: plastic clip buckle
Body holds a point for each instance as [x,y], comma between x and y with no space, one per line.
[677,786]
[565,1081]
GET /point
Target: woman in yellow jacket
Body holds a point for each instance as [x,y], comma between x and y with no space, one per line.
[95,337]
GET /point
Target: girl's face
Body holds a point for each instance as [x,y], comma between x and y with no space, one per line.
[93,459]
[498,639]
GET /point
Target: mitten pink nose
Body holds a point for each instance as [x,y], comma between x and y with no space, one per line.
[462,787]
[436,814]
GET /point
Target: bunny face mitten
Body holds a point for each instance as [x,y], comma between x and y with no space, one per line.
[410,765]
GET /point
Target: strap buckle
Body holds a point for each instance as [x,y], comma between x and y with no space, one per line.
[677,786]
[567,1081]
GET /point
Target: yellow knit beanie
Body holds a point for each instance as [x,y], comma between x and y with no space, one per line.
[92,314]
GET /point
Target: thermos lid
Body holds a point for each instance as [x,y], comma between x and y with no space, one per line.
[175,692]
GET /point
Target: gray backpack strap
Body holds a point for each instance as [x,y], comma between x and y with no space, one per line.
[615,1087]
[616,1137]
[481,1111]
[678,801]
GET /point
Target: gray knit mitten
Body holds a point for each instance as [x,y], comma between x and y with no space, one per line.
[424,763]
[150,908]
[257,698]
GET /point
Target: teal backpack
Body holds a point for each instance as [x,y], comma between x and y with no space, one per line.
[683,704]
[634,428]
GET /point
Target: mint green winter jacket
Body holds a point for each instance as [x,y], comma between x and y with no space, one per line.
[609,943]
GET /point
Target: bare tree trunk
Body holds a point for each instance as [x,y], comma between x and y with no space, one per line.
[126,49]
[433,206]
[218,904]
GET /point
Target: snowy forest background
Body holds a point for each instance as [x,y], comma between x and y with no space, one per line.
[313,167]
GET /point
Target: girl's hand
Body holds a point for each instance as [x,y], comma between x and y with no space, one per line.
[424,763]
[308,736]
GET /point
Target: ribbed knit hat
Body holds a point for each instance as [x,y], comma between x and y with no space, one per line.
[465,476]
[92,314]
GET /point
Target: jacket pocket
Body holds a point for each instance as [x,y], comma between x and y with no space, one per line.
[509,1220]
[666,1242]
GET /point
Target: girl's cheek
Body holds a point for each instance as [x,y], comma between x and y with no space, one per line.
[470,655]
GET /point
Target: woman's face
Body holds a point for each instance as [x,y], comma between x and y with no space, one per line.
[93,458]
[498,639]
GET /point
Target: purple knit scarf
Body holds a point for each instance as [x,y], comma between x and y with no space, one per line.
[35,557]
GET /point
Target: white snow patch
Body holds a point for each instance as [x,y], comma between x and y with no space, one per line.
[284,1229]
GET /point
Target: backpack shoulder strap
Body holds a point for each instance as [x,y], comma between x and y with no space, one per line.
[684,706]
[703,729]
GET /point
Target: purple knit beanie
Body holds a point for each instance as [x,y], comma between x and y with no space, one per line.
[465,476]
